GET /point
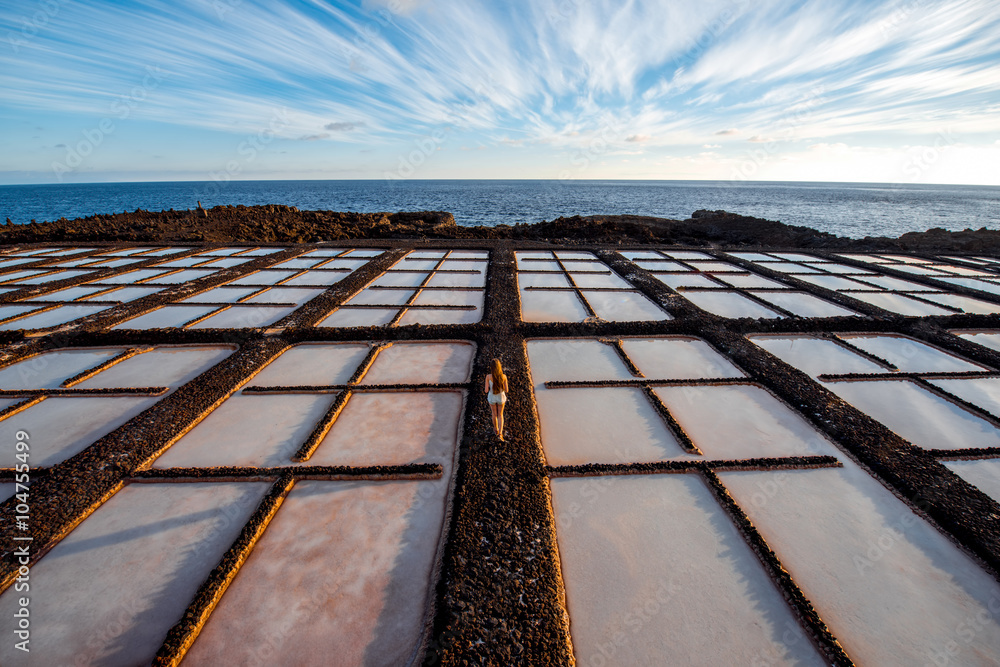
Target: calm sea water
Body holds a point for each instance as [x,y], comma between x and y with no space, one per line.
[845,209]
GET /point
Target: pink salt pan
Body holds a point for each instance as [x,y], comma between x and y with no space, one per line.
[393,429]
[108,592]
[341,576]
[421,363]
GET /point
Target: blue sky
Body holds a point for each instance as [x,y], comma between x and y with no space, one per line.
[829,90]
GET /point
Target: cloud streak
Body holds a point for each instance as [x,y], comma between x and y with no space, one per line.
[552,73]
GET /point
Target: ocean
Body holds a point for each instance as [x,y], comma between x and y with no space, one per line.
[846,209]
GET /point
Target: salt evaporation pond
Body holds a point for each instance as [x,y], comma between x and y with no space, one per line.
[283,450]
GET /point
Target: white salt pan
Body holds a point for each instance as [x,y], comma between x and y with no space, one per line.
[316,278]
[872,567]
[542,280]
[168,316]
[805,305]
[750,280]
[911,355]
[58,275]
[69,294]
[840,268]
[678,358]
[239,317]
[221,295]
[598,280]
[227,262]
[551,307]
[834,282]
[891,283]
[624,307]
[108,592]
[757,257]
[967,304]
[984,285]
[729,304]
[741,421]
[983,392]
[795,257]
[132,276]
[816,356]
[897,303]
[381,297]
[686,255]
[640,254]
[264,277]
[574,359]
[55,317]
[359,317]
[449,298]
[430,316]
[312,364]
[161,367]
[916,414]
[990,340]
[906,259]
[982,473]
[125,293]
[400,279]
[62,427]
[788,267]
[285,295]
[661,266]
[9,311]
[460,280]
[49,369]
[638,595]
[249,430]
[183,276]
[602,425]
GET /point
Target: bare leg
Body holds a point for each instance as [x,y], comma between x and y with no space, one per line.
[500,420]
[493,414]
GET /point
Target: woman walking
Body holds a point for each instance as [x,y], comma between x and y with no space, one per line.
[496,395]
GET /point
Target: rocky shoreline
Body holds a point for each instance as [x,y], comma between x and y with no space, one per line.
[287,224]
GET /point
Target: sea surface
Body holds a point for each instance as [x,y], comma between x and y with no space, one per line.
[845,209]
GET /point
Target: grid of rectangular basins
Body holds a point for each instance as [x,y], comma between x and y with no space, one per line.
[652,562]
[424,287]
[568,286]
[681,487]
[870,283]
[323,409]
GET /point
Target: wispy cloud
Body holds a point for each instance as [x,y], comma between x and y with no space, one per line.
[552,74]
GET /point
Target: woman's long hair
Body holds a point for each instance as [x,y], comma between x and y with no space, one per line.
[499,379]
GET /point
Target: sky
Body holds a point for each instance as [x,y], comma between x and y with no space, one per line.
[901,91]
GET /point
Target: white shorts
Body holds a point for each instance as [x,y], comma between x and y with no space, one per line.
[496,399]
